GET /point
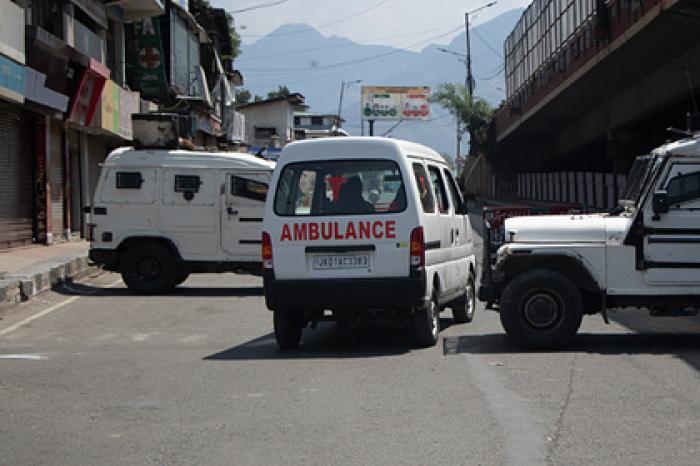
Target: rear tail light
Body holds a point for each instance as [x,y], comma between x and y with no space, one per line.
[266,251]
[417,248]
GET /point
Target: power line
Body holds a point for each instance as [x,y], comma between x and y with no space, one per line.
[352,62]
[331,23]
[260,6]
[485,42]
[313,49]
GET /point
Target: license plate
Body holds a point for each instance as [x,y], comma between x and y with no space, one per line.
[346,261]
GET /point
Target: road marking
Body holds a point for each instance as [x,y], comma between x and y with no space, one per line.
[28,357]
[47,311]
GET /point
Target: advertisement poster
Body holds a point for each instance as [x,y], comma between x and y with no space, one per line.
[395,103]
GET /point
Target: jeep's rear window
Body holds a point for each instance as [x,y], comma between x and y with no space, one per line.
[347,187]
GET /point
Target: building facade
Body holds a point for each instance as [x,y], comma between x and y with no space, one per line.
[72,73]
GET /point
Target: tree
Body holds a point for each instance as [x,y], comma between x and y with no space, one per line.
[200,8]
[476,115]
[243,96]
[282,91]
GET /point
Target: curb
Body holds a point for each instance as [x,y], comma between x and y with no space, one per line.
[32,281]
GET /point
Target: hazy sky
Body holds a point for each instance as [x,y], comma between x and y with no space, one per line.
[398,23]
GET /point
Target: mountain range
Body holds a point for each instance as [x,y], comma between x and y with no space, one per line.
[304,60]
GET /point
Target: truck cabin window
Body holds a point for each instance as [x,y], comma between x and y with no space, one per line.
[351,187]
[249,189]
[129,180]
[683,188]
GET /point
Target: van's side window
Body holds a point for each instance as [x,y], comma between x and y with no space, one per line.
[129,180]
[439,187]
[457,201]
[426,195]
[249,189]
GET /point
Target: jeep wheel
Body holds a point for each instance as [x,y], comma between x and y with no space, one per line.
[288,326]
[541,309]
[426,324]
[149,268]
[464,307]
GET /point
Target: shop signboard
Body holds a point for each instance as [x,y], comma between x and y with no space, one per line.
[395,103]
[13,78]
[129,103]
[146,67]
[115,110]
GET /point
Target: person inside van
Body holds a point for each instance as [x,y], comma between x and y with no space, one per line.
[350,199]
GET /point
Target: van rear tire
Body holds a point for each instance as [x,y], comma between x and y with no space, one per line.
[426,324]
[463,308]
[149,268]
[288,326]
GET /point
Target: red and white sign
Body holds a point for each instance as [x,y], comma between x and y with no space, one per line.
[327,231]
[149,58]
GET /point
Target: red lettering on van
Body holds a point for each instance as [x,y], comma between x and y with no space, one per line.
[377,230]
[313,232]
[350,232]
[327,234]
[286,233]
[391,229]
[300,232]
[365,230]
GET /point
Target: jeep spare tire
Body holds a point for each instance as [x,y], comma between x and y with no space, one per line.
[541,309]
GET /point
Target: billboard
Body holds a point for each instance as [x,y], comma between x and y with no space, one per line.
[395,103]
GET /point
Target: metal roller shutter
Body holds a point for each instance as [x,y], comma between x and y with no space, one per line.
[16,201]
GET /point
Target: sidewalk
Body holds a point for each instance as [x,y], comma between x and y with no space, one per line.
[25,272]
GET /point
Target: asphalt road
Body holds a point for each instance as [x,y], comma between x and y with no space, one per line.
[102,377]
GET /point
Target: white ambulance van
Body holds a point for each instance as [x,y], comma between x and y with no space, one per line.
[356,227]
[159,215]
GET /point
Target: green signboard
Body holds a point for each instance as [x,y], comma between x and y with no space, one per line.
[146,58]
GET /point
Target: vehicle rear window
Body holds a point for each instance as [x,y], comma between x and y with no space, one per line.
[340,187]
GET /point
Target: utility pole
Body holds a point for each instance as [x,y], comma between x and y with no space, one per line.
[343,85]
[469,83]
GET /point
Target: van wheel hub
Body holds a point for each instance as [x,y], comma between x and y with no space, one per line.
[541,311]
[148,269]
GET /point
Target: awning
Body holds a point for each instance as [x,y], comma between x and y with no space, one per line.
[138,9]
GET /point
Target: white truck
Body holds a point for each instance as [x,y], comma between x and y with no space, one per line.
[553,270]
[159,215]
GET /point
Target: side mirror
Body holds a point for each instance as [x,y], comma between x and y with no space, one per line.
[659,203]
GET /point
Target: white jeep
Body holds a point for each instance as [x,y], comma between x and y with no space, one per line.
[644,254]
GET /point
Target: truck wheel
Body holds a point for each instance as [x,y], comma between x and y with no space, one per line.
[149,268]
[426,324]
[541,309]
[464,307]
[288,326]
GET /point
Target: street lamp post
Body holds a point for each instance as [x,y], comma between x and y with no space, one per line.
[467,60]
[343,85]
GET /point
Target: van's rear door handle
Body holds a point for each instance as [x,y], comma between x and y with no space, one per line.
[231,211]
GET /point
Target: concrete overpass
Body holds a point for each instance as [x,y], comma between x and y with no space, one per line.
[628,71]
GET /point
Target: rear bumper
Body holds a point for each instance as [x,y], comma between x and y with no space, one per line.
[105,258]
[345,294]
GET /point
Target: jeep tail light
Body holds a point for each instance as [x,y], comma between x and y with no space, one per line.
[417,248]
[266,251]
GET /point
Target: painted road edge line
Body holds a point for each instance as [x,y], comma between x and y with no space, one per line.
[47,311]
